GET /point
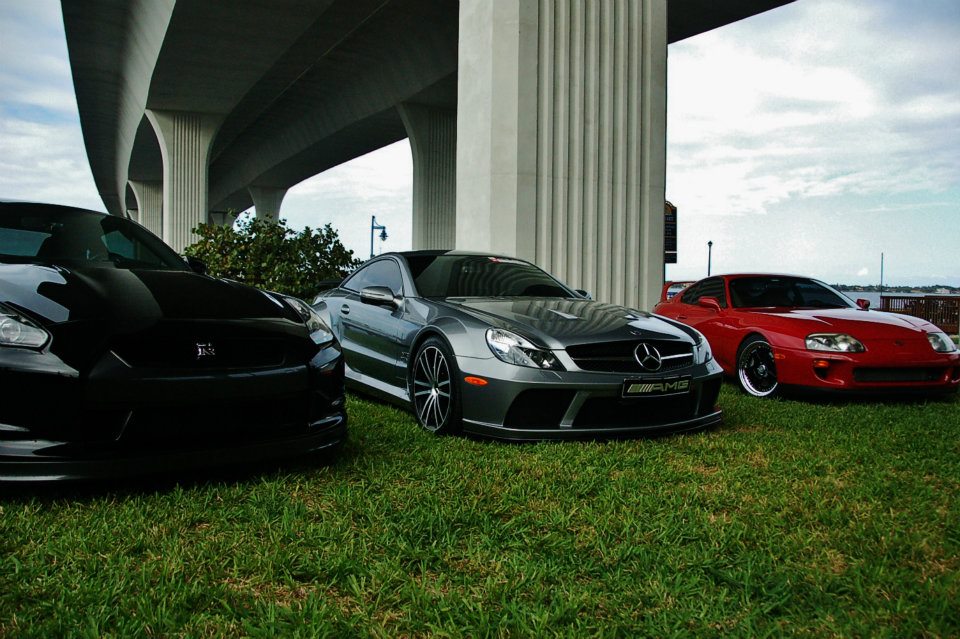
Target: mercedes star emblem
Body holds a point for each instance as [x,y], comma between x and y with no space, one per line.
[648,357]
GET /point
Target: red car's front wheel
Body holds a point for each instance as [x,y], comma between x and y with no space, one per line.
[756,370]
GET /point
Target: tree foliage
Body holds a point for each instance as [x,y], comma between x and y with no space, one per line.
[272,256]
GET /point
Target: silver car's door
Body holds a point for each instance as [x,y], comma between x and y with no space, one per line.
[370,332]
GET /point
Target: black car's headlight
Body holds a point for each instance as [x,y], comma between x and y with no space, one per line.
[514,349]
[941,343]
[17,330]
[701,350]
[320,333]
[837,342]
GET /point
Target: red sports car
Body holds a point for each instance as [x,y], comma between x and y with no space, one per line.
[776,331]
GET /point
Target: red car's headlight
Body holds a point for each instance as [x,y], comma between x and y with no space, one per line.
[941,343]
[836,342]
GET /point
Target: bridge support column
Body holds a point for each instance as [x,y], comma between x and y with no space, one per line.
[561,139]
[222,218]
[266,200]
[433,143]
[185,140]
[150,204]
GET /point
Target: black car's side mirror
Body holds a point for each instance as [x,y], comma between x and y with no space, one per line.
[711,303]
[863,303]
[584,294]
[379,296]
[197,265]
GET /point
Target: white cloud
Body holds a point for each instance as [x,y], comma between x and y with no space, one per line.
[772,108]
[863,272]
[45,162]
[379,183]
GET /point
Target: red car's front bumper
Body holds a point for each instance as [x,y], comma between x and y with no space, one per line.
[873,370]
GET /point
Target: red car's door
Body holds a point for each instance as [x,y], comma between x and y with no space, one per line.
[714,323]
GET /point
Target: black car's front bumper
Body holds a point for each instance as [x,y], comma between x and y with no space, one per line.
[119,421]
[525,404]
[39,460]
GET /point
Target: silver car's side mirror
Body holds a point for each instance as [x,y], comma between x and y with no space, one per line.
[379,296]
[582,293]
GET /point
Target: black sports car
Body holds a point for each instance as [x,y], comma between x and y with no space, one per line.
[116,357]
[495,346]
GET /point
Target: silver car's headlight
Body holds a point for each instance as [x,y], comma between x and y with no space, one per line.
[701,350]
[320,333]
[941,343]
[836,342]
[514,349]
[17,330]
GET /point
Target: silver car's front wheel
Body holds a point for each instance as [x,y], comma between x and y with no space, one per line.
[433,390]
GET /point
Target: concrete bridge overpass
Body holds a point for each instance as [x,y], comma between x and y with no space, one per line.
[537,126]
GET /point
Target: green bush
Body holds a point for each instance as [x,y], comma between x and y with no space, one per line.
[272,256]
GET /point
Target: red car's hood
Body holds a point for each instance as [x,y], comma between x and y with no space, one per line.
[863,325]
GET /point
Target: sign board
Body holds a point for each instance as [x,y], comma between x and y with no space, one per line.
[669,233]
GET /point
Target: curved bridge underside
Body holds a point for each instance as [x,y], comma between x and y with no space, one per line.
[201,106]
[301,85]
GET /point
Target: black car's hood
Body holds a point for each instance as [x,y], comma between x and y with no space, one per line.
[129,297]
[562,322]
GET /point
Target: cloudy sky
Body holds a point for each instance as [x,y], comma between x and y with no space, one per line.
[808,139]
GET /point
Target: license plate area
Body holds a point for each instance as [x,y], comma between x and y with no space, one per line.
[656,387]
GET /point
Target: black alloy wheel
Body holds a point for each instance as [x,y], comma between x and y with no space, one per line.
[434,388]
[756,369]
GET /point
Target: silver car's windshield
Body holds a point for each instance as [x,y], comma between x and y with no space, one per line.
[481,276]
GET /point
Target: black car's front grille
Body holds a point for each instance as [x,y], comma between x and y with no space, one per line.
[212,422]
[881,375]
[178,353]
[618,357]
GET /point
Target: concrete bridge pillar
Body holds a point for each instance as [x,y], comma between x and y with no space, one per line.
[149,197]
[222,218]
[185,140]
[266,200]
[561,153]
[433,143]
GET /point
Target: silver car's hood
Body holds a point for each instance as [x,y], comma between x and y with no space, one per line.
[561,322]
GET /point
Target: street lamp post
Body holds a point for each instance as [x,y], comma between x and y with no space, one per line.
[709,256]
[376,227]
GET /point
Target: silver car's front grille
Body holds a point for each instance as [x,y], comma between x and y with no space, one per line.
[620,357]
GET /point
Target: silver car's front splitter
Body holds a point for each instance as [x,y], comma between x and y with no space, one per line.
[518,403]
[498,431]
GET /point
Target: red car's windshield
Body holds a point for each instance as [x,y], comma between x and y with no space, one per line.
[792,292]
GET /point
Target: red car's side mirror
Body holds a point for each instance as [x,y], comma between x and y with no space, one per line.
[864,304]
[710,302]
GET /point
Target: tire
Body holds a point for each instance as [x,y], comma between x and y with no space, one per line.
[756,368]
[435,388]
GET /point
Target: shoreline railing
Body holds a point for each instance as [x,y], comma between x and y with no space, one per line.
[943,311]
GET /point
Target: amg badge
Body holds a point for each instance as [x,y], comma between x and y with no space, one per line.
[665,387]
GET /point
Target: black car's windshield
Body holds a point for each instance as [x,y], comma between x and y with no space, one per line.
[481,276]
[794,292]
[71,237]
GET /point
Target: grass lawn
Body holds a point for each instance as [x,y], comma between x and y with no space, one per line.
[791,518]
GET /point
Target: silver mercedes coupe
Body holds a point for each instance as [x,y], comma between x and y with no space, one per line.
[494,346]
